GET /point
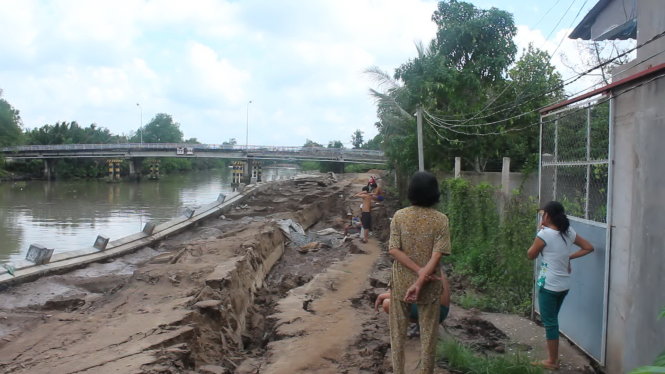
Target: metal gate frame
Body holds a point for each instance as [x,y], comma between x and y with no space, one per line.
[585,220]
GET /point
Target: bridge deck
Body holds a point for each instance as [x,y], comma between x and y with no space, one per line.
[132,150]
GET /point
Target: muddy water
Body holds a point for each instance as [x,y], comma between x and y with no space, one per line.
[68,215]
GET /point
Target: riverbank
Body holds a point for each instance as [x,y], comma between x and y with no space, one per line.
[232,295]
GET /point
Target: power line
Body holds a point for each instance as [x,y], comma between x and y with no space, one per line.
[556,117]
[486,107]
[557,87]
[561,19]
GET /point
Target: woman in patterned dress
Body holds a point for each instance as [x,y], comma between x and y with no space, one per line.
[419,236]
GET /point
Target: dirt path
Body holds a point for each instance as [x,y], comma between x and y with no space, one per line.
[318,335]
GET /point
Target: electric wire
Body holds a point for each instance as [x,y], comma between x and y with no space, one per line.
[557,117]
[556,88]
[488,105]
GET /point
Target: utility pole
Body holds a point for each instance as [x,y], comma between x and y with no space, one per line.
[419,125]
[247,131]
[140,121]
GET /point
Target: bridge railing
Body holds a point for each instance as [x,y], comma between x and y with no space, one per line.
[338,152]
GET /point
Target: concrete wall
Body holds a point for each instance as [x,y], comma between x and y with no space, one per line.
[637,257]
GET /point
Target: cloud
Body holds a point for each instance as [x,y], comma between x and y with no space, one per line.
[300,62]
[565,55]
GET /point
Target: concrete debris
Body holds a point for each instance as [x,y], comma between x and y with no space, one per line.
[328,231]
[208,304]
[212,369]
[286,225]
[312,247]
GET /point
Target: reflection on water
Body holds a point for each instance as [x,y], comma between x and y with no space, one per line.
[68,215]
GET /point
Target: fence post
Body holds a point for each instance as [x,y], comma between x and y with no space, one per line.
[458,167]
[505,176]
[505,187]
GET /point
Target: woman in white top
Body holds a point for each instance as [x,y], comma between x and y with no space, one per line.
[555,243]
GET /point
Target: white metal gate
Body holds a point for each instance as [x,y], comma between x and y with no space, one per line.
[574,170]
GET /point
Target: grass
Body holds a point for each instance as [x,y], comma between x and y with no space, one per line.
[463,359]
[472,300]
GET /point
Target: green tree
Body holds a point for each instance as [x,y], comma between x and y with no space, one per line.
[161,129]
[357,139]
[10,124]
[335,144]
[311,143]
[476,104]
[374,143]
[71,133]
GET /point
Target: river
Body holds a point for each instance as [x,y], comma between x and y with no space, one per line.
[68,215]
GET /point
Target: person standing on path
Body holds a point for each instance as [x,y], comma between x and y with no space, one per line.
[555,243]
[419,236]
[365,215]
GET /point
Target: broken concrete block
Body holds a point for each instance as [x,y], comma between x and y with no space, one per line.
[101,242]
[149,228]
[208,304]
[39,254]
[188,212]
[213,369]
[221,197]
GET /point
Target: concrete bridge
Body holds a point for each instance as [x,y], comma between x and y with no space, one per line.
[136,152]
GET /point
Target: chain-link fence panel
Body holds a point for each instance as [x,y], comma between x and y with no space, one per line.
[574,153]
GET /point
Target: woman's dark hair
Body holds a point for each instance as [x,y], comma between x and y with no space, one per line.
[423,189]
[557,215]
[366,188]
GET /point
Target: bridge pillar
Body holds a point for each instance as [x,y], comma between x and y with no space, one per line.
[114,170]
[135,164]
[254,171]
[49,169]
[154,169]
[239,172]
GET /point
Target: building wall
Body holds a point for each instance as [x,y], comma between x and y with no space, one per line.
[617,12]
[650,22]
[637,258]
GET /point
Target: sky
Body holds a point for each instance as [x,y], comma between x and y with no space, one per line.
[300,63]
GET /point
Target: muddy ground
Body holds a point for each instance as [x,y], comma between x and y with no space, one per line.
[233,295]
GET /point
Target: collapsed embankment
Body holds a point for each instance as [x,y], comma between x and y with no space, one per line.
[194,301]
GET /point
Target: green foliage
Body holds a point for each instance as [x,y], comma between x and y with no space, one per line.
[463,359]
[464,77]
[335,144]
[374,143]
[649,370]
[10,124]
[71,133]
[161,129]
[658,364]
[310,165]
[362,168]
[357,139]
[491,254]
[311,143]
